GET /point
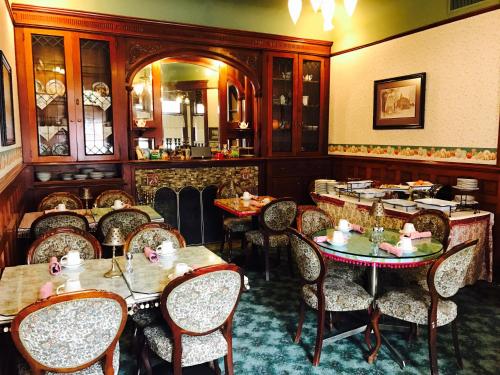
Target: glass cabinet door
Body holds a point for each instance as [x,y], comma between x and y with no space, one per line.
[282,104]
[49,70]
[310,122]
[96,93]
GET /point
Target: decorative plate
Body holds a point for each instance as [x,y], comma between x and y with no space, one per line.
[101,88]
[60,149]
[54,86]
[39,89]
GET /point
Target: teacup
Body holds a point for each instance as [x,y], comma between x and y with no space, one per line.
[61,207]
[246,196]
[72,258]
[408,228]
[165,248]
[266,200]
[344,225]
[338,238]
[71,285]
[246,203]
[305,100]
[117,204]
[405,244]
[181,269]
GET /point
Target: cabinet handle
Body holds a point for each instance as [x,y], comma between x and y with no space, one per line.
[79,120]
[77,101]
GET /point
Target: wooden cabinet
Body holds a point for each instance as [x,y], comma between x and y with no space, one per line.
[295,104]
[69,111]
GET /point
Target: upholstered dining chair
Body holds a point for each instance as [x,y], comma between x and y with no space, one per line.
[53,220]
[57,242]
[152,235]
[274,218]
[197,330]
[310,220]
[320,291]
[71,201]
[71,333]
[431,307]
[232,225]
[127,219]
[108,197]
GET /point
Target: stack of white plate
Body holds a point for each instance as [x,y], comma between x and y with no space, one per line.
[330,186]
[320,186]
[466,183]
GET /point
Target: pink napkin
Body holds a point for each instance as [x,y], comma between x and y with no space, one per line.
[49,211]
[151,254]
[320,239]
[357,228]
[391,249]
[54,266]
[46,290]
[416,235]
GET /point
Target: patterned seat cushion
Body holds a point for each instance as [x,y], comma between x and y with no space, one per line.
[95,369]
[343,270]
[195,349]
[412,305]
[340,295]
[146,317]
[238,224]
[256,237]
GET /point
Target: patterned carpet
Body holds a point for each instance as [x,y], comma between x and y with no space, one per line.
[265,323]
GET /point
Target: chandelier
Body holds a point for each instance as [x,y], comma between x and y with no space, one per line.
[327,8]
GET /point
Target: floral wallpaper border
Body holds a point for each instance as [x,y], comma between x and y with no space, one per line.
[9,158]
[474,155]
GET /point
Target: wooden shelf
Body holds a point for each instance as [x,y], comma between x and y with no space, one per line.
[78,183]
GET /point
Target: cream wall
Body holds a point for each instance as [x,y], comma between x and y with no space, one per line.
[462,62]
[10,156]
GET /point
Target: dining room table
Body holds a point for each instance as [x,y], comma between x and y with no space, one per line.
[363,250]
[243,208]
[140,285]
[92,215]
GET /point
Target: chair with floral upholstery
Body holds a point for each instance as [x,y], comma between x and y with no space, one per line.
[230,224]
[320,291]
[108,197]
[92,322]
[71,201]
[127,219]
[152,235]
[196,330]
[60,219]
[274,218]
[310,220]
[432,307]
[57,242]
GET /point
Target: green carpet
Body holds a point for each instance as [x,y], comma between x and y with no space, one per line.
[265,323]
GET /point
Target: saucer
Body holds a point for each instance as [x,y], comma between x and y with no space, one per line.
[405,233]
[117,208]
[65,264]
[338,244]
[343,231]
[413,249]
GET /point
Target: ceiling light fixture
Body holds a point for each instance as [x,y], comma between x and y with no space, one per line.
[295,8]
[316,5]
[328,10]
[350,6]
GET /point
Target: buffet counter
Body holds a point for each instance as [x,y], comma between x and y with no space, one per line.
[464,225]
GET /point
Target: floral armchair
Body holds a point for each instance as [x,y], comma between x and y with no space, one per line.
[108,197]
[152,235]
[71,201]
[127,219]
[54,220]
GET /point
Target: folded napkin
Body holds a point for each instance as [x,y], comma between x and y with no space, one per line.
[416,235]
[320,239]
[151,254]
[46,290]
[357,228]
[54,266]
[51,210]
[391,249]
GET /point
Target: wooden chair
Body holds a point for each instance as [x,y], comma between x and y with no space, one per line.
[108,197]
[274,219]
[320,291]
[92,322]
[152,235]
[232,225]
[54,220]
[57,242]
[127,219]
[431,307]
[71,201]
[197,330]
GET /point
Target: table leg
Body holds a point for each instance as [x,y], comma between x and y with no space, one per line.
[373,281]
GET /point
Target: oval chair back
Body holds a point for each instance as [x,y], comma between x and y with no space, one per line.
[54,220]
[108,197]
[308,259]
[57,242]
[276,216]
[312,219]
[434,221]
[92,322]
[152,235]
[127,219]
[71,201]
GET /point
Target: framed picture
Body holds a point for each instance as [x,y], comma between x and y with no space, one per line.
[213,134]
[7,127]
[398,103]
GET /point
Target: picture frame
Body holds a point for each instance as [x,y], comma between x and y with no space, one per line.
[213,134]
[7,124]
[399,102]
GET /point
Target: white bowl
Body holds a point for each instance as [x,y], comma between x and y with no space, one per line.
[43,176]
[80,176]
[109,174]
[86,170]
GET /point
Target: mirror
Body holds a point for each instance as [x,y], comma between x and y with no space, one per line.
[142,95]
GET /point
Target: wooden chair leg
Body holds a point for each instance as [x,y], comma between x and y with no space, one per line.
[145,359]
[230,245]
[432,348]
[266,258]
[368,330]
[215,366]
[454,332]
[290,263]
[319,335]
[412,333]
[228,360]
[374,318]
[302,308]
[223,242]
